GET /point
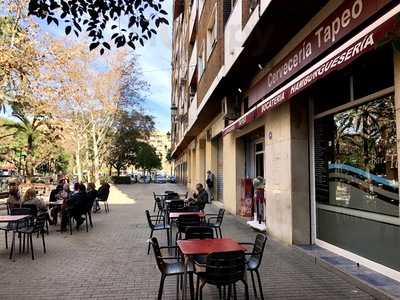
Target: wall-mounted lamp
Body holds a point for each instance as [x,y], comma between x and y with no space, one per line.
[260,66]
[239,90]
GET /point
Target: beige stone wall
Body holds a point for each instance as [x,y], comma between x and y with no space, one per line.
[278,173]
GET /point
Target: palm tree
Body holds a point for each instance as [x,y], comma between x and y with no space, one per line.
[29,129]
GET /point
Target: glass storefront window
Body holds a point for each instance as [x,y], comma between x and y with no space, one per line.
[259,157]
[356,158]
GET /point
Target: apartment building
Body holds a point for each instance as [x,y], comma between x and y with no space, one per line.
[306,95]
[161,141]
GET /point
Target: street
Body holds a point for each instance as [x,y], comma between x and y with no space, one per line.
[110,262]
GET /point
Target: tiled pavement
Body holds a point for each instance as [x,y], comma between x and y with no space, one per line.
[110,262]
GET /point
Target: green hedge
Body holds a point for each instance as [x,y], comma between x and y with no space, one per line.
[121,179]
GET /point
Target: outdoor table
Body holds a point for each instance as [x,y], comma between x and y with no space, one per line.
[175,215]
[13,219]
[191,248]
[55,203]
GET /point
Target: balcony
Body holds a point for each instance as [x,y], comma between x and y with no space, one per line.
[193,62]
[192,110]
[193,17]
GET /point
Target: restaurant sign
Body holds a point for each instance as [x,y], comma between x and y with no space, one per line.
[342,21]
[365,41]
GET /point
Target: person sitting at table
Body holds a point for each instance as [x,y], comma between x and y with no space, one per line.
[14,196]
[30,198]
[54,196]
[102,194]
[200,198]
[64,195]
[77,202]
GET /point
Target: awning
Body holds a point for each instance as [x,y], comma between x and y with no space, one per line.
[368,39]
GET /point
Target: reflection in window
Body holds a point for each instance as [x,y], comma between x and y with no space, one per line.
[356,158]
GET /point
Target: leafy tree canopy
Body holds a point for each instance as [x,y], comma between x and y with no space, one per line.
[130,21]
[147,158]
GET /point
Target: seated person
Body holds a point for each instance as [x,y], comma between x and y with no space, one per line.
[31,199]
[102,194]
[14,196]
[75,206]
[54,196]
[200,198]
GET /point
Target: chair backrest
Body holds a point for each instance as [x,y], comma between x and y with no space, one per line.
[199,232]
[185,221]
[157,254]
[258,249]
[20,211]
[151,225]
[32,207]
[176,206]
[40,222]
[225,268]
[159,204]
[171,196]
[220,216]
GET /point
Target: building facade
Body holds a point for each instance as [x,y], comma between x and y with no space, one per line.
[306,95]
[161,141]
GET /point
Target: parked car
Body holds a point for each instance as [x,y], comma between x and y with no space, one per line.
[172,179]
[160,179]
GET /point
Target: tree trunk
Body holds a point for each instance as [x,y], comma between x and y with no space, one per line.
[78,160]
[96,161]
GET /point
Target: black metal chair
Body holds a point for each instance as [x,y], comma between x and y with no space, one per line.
[173,268]
[161,214]
[104,199]
[156,198]
[201,233]
[254,260]
[37,227]
[175,206]
[156,227]
[223,270]
[12,225]
[185,221]
[215,221]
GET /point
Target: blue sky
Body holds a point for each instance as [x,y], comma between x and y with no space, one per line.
[155,62]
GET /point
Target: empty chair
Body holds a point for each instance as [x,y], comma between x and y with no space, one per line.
[37,227]
[156,227]
[169,266]
[185,221]
[215,221]
[253,260]
[223,269]
[12,225]
[199,232]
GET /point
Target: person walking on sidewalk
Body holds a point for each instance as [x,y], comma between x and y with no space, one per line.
[210,185]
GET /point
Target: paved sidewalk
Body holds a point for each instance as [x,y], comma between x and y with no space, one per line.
[110,262]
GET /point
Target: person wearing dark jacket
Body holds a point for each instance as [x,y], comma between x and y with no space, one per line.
[91,194]
[54,196]
[200,198]
[77,203]
[102,194]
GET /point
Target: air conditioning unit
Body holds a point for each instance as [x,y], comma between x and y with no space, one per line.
[230,108]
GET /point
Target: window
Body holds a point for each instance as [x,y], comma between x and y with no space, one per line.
[259,158]
[356,158]
[212,31]
[201,60]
